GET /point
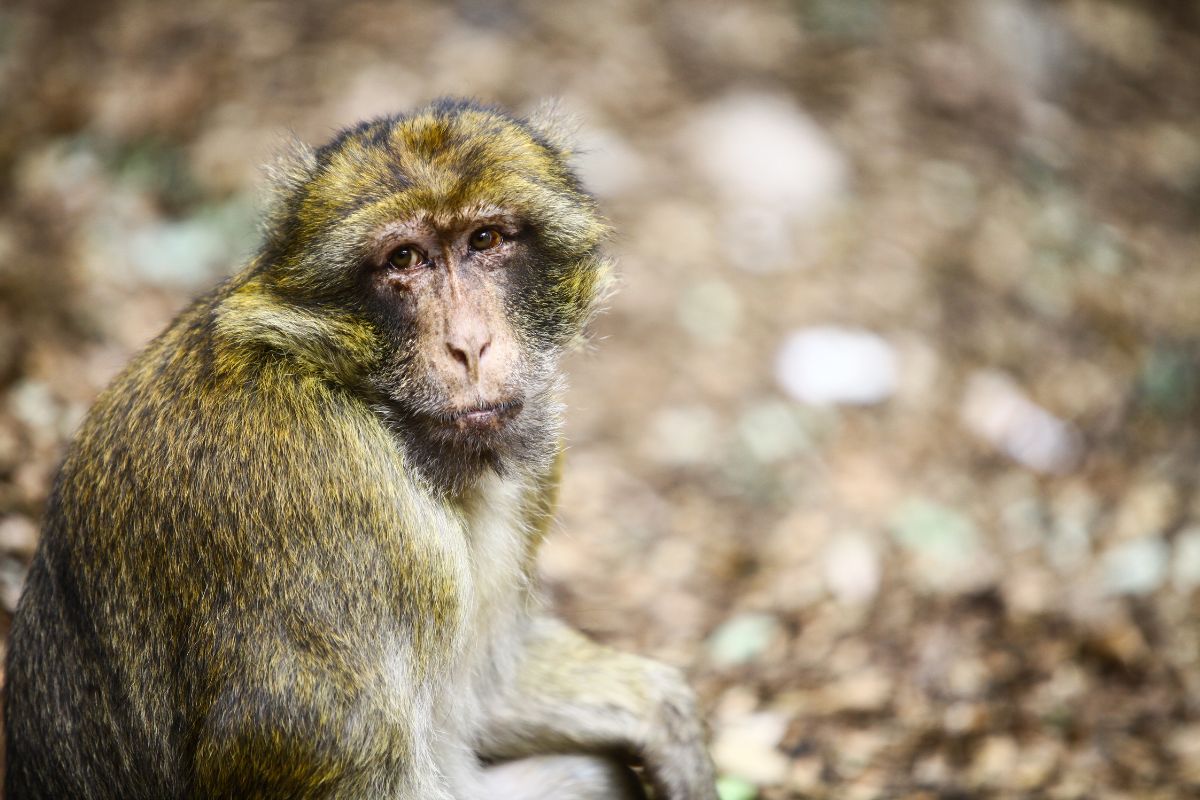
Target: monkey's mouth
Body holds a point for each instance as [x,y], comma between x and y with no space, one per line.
[481,418]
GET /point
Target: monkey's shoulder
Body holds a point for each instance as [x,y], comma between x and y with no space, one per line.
[176,438]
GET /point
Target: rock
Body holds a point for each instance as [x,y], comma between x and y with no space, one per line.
[771,167]
[1120,639]
[762,149]
[995,409]
[18,534]
[12,582]
[747,749]
[932,769]
[866,691]
[1037,763]
[837,366]
[1136,567]
[967,677]
[852,569]
[995,761]
[743,639]
[33,404]
[965,717]
[1031,590]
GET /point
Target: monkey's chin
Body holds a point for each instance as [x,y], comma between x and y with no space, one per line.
[452,447]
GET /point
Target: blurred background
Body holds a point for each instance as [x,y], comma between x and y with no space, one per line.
[889,437]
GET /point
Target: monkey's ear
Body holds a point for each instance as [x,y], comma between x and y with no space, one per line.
[556,125]
[294,166]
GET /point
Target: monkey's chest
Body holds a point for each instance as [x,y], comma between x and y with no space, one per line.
[495,592]
[496,547]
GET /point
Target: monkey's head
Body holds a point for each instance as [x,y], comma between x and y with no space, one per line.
[438,264]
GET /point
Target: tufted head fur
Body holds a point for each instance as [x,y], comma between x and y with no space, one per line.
[320,292]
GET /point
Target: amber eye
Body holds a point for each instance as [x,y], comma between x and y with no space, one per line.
[485,239]
[406,258]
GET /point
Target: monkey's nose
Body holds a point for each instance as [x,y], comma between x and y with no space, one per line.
[469,350]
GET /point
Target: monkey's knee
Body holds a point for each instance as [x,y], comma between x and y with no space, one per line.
[574,777]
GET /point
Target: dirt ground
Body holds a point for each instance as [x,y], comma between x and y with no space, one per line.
[890,435]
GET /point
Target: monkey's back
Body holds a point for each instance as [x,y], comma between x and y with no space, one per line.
[203,510]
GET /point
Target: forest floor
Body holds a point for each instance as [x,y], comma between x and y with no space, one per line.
[889,437]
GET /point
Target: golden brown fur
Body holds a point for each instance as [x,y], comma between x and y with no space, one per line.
[290,552]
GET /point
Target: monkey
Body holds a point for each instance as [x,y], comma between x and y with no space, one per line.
[291,551]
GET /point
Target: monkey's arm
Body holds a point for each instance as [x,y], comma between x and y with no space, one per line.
[285,723]
[573,695]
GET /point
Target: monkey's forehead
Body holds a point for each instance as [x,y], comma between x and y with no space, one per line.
[441,160]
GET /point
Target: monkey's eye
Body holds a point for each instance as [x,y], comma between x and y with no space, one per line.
[485,239]
[406,258]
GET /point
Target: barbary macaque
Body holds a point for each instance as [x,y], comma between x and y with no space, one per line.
[291,552]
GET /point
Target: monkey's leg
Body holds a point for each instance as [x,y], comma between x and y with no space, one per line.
[571,695]
[562,778]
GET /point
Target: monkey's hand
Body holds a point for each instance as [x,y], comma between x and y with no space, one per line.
[573,695]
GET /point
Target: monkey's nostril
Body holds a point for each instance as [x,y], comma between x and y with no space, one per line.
[459,355]
[485,347]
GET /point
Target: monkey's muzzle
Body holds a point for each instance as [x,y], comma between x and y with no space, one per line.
[488,417]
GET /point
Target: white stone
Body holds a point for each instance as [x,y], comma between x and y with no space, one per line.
[771,168]
[747,748]
[763,149]
[996,409]
[18,534]
[1136,567]
[837,366]
[852,569]
[33,404]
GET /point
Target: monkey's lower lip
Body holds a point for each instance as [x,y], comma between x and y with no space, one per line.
[492,416]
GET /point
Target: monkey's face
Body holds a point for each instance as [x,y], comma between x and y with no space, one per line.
[446,287]
[460,239]
[466,380]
